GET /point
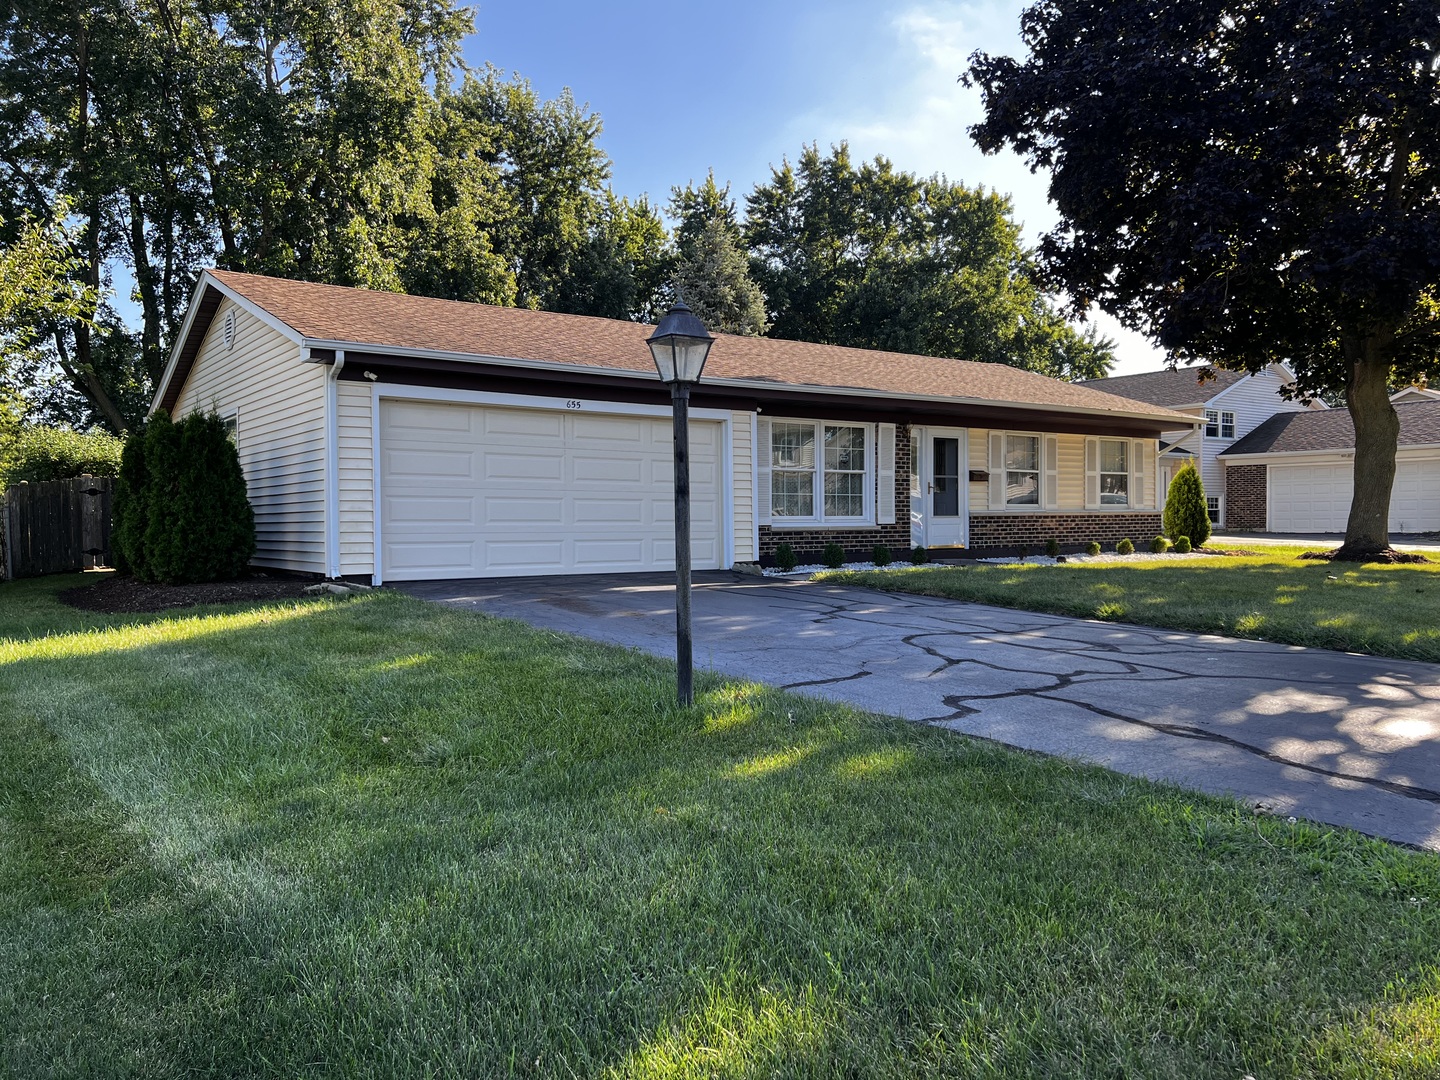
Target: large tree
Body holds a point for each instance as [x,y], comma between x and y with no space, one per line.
[711,266]
[1247,181]
[875,257]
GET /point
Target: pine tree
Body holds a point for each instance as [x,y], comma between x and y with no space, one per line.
[1186,511]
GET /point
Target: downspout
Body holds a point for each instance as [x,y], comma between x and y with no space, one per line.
[332,467]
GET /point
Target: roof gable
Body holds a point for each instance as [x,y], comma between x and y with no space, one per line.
[1170,388]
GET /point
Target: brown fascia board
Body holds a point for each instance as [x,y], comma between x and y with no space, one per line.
[820,403]
[205,307]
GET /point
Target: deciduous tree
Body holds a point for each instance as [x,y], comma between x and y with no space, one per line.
[1246,182]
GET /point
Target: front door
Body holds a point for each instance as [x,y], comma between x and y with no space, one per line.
[947,517]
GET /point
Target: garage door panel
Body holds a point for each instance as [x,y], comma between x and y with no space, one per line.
[1415,500]
[1309,498]
[541,492]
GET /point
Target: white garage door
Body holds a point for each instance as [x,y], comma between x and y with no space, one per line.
[472,491]
[1316,498]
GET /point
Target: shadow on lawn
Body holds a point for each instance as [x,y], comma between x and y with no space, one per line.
[374,835]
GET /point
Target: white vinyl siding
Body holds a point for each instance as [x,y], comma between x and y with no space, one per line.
[357,478]
[742,490]
[1253,400]
[279,405]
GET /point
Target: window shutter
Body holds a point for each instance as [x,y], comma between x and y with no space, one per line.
[1052,472]
[997,470]
[1138,470]
[762,472]
[1092,474]
[885,471]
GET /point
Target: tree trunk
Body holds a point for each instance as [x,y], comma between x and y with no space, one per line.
[1377,436]
[145,281]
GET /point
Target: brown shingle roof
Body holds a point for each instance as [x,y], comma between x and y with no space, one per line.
[1169,389]
[1332,429]
[360,317]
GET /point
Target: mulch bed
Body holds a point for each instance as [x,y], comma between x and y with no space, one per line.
[116,594]
[1389,555]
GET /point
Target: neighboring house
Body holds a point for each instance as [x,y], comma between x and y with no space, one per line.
[1295,472]
[1416,393]
[1230,404]
[389,437]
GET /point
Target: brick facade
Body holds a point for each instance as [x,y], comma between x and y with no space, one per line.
[1246,491]
[857,540]
[1072,530]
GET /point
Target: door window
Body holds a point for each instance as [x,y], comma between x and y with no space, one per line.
[946,478]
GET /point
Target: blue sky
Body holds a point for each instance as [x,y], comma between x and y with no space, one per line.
[683,88]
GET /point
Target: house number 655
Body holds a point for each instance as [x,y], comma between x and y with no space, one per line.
[572,404]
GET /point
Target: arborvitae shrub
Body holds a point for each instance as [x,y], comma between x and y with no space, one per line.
[1022,552]
[1125,547]
[1092,548]
[919,555]
[785,557]
[833,556]
[181,511]
[880,555]
[1182,545]
[1052,548]
[1186,513]
[1159,545]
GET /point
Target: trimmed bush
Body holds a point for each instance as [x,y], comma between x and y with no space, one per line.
[1159,545]
[40,454]
[918,555]
[1182,545]
[181,512]
[880,555]
[1052,548]
[1125,547]
[785,557]
[1186,513]
[833,556]
[1092,548]
[1022,552]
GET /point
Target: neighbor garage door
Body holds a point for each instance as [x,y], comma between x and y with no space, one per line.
[1316,498]
[472,491]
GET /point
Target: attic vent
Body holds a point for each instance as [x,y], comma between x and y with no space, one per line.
[228,329]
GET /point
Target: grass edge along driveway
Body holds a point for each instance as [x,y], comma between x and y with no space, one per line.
[1271,596]
[376,837]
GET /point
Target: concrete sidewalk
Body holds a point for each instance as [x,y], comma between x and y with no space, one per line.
[1336,737]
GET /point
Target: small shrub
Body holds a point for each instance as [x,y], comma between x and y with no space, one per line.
[1022,552]
[1052,548]
[1182,545]
[833,556]
[785,557]
[880,555]
[1092,548]
[1159,545]
[1186,513]
[918,555]
[1125,547]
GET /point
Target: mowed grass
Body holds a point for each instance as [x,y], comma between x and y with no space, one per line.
[1273,596]
[376,838]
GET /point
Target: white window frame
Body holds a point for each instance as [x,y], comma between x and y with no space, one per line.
[820,518]
[1038,471]
[1217,422]
[1217,510]
[1128,471]
[1048,492]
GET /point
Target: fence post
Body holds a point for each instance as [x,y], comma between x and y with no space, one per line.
[7,532]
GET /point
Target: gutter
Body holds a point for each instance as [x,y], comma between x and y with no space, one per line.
[332,466]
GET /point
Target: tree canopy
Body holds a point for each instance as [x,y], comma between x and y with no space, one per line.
[711,266]
[1247,183]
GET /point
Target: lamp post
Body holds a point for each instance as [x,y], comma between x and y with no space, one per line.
[679,346]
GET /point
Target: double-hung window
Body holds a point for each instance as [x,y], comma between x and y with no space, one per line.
[1219,425]
[1114,472]
[820,472]
[1022,470]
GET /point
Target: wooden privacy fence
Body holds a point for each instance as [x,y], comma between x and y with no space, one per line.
[55,527]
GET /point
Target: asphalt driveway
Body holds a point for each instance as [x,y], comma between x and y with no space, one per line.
[1335,737]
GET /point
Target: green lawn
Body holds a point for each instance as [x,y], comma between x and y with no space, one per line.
[371,837]
[1274,596]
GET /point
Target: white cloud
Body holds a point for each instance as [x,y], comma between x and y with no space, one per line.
[913,109]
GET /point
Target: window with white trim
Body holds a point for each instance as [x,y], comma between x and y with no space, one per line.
[1114,472]
[1213,505]
[1022,470]
[1219,425]
[830,486]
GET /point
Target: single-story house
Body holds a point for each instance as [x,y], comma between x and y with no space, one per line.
[1231,403]
[390,437]
[1295,472]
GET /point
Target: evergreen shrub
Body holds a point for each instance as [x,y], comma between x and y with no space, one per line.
[1182,545]
[1052,548]
[785,557]
[880,555]
[833,556]
[1092,548]
[1125,547]
[1186,513]
[1159,545]
[918,555]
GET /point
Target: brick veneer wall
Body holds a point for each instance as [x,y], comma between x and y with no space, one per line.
[1245,495]
[1032,530]
[856,540]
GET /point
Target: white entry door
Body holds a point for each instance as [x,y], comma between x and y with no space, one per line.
[483,491]
[945,485]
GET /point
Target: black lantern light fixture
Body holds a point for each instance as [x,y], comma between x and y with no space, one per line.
[680,346]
